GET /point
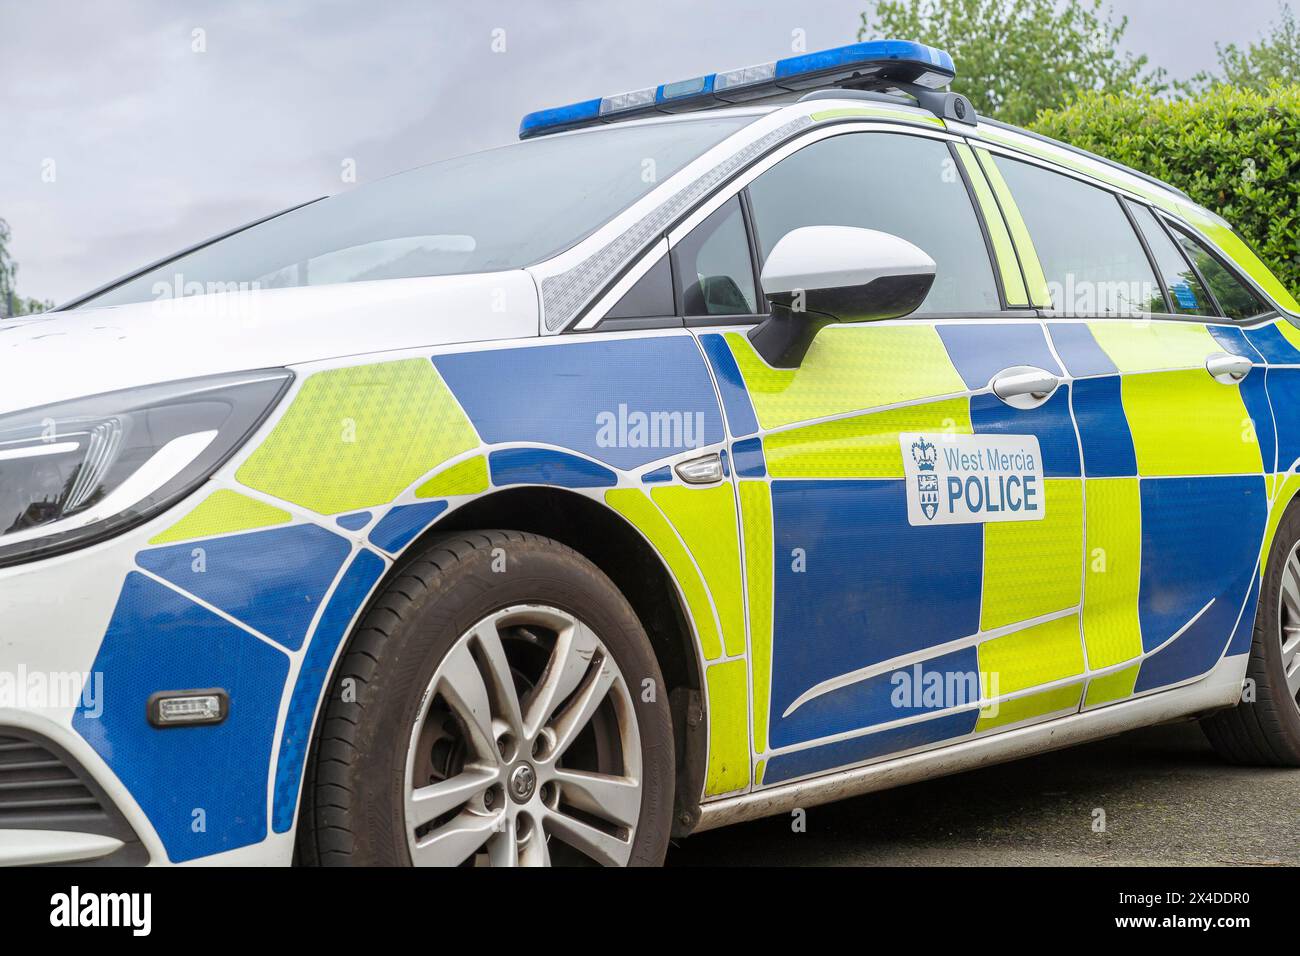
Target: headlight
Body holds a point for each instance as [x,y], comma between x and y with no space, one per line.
[80,471]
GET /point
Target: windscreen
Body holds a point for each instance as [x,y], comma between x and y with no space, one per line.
[504,208]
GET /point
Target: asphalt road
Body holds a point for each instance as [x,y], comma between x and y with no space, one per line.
[1168,801]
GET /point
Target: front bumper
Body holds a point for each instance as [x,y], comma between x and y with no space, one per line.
[89,779]
[53,811]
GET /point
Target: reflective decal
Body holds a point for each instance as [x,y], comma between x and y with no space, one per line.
[356,437]
[1031,568]
[728,728]
[468,477]
[403,524]
[1003,713]
[222,512]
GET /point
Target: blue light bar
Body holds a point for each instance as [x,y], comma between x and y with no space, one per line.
[813,69]
[872,64]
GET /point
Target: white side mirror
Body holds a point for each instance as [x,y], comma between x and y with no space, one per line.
[815,259]
[816,275]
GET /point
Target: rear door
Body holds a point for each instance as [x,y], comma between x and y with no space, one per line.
[912,541]
[1176,499]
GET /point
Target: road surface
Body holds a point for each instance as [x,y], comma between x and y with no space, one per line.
[1168,800]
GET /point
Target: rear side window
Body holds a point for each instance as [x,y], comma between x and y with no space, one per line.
[905,185]
[1186,294]
[1090,254]
[714,269]
[1236,299]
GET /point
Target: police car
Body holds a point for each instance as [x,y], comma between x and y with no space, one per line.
[723,447]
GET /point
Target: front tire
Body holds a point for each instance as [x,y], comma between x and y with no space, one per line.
[499,704]
[1265,731]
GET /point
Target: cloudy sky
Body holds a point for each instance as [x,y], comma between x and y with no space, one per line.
[130,128]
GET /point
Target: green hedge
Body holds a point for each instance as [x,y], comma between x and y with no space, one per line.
[1234,151]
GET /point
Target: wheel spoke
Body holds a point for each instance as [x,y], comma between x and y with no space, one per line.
[574,649]
[502,681]
[1291,587]
[455,841]
[502,848]
[535,852]
[605,849]
[1292,670]
[1290,644]
[616,799]
[463,688]
[569,723]
[428,803]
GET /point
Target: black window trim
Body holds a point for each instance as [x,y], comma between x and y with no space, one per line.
[755,254]
[1152,262]
[1200,277]
[1270,309]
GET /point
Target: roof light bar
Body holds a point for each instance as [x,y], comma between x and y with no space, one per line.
[737,85]
[622,102]
[876,64]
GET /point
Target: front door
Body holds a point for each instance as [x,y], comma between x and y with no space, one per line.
[913,542]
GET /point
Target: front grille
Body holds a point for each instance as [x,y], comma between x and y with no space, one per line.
[38,789]
[43,788]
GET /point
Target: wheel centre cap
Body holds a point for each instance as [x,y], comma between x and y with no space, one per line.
[523,781]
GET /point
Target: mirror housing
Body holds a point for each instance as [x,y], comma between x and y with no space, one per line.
[817,275]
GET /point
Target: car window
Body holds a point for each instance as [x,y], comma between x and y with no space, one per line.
[504,208]
[905,185]
[1236,299]
[1186,294]
[1090,254]
[651,296]
[714,269]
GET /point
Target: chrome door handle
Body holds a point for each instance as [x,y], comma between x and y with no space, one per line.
[1228,369]
[1024,386]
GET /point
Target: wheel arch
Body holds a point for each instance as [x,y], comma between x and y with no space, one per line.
[611,543]
[1286,496]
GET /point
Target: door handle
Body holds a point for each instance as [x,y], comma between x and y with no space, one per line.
[1228,369]
[1024,386]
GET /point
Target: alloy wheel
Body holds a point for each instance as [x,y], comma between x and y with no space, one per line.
[526,750]
[1289,622]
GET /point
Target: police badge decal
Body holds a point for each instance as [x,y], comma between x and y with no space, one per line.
[927,482]
[972,479]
